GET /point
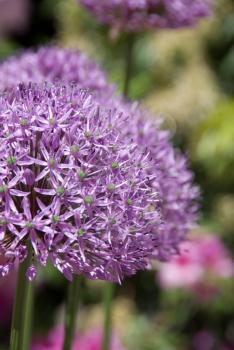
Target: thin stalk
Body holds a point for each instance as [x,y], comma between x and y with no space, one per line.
[110,288]
[71,312]
[108,300]
[26,329]
[21,319]
[16,318]
[129,55]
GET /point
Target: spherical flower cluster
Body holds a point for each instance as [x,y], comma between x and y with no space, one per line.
[88,341]
[53,64]
[202,260]
[71,188]
[139,15]
[179,197]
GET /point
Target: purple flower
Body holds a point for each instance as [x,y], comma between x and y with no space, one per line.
[140,15]
[72,185]
[178,195]
[53,64]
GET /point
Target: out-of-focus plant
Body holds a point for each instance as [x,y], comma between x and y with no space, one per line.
[220,43]
[175,60]
[212,147]
[206,339]
[145,334]
[14,16]
[197,292]
[109,49]
[91,340]
[202,263]
[223,211]
[138,16]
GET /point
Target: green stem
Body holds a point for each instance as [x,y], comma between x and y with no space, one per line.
[16,318]
[71,312]
[26,330]
[108,299]
[21,319]
[110,288]
[130,42]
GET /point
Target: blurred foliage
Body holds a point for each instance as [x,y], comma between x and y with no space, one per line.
[223,210]
[220,45]
[157,336]
[7,48]
[212,145]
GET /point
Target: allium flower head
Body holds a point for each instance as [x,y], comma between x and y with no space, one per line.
[178,196]
[71,186]
[52,64]
[139,15]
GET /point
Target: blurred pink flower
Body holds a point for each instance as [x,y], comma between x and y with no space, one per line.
[203,340]
[201,261]
[14,16]
[91,340]
[208,340]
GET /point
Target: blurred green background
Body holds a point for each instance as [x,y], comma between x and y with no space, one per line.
[188,76]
